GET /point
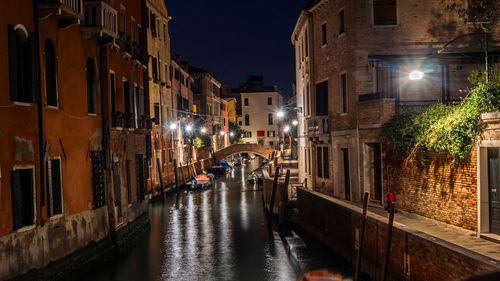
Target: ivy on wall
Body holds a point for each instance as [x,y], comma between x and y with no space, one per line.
[441,128]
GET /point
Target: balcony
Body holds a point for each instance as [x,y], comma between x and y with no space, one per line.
[318,127]
[125,47]
[101,20]
[67,11]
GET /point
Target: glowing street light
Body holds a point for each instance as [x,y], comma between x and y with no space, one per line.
[286,129]
[189,128]
[280,114]
[231,134]
[295,122]
[203,130]
[222,133]
[416,75]
[173,126]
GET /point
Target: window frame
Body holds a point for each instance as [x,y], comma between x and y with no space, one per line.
[341,22]
[269,100]
[56,216]
[384,26]
[344,96]
[33,225]
[48,40]
[324,34]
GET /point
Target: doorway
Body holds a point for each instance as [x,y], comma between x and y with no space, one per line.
[493,185]
[374,162]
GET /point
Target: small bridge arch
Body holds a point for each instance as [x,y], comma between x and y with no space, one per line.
[261,150]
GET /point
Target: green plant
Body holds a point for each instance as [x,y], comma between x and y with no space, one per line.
[198,143]
[237,132]
[451,129]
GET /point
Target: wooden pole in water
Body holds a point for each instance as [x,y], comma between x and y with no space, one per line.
[389,238]
[361,237]
[284,199]
[176,176]
[158,165]
[273,193]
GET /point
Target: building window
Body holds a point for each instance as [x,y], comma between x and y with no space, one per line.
[308,101]
[247,134]
[50,63]
[140,171]
[307,43]
[165,32]
[22,65]
[132,30]
[246,101]
[23,210]
[123,19]
[385,12]
[323,34]
[270,118]
[91,87]
[323,162]
[97,178]
[126,98]
[129,186]
[341,22]
[240,123]
[269,101]
[247,120]
[347,178]
[343,90]
[152,22]
[112,89]
[322,99]
[54,189]
[157,113]
[386,81]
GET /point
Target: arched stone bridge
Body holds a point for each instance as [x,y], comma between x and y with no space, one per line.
[261,150]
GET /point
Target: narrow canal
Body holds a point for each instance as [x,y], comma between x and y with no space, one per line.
[217,234]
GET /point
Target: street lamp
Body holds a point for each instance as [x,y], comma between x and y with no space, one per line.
[189,128]
[416,75]
[203,130]
[173,126]
[286,129]
[231,134]
[222,133]
[295,122]
[280,114]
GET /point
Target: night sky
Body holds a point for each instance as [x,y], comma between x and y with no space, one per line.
[234,38]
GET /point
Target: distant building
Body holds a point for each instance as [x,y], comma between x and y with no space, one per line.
[160,93]
[231,109]
[259,107]
[207,99]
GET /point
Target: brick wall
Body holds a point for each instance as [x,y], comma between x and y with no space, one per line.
[414,255]
[437,186]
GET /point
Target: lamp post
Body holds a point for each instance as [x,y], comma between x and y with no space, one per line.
[486,37]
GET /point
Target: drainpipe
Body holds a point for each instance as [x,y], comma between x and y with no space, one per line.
[40,113]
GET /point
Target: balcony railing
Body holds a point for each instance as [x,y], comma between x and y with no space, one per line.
[318,126]
[100,19]
[64,9]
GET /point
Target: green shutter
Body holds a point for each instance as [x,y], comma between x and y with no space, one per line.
[13,67]
[34,67]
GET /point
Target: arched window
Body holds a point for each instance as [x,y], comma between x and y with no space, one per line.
[247,120]
[270,118]
[50,65]
[91,87]
[22,70]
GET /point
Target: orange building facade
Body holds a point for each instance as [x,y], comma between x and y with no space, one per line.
[76,138]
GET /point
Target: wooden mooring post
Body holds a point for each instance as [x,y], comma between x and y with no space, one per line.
[176,176]
[388,246]
[361,237]
[273,193]
[284,200]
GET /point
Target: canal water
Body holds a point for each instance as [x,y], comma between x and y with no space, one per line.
[217,234]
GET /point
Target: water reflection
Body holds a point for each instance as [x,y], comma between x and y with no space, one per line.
[217,234]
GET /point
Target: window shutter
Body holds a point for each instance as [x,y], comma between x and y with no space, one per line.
[16,195]
[13,67]
[34,68]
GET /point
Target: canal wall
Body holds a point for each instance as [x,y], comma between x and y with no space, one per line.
[65,249]
[414,255]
